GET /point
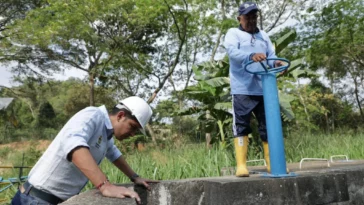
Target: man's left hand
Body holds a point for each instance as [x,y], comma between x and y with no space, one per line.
[144,182]
[279,63]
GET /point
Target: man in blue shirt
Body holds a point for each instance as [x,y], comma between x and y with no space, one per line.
[72,158]
[243,44]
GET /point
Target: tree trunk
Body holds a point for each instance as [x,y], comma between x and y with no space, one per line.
[222,134]
[180,106]
[223,13]
[92,89]
[261,20]
[30,108]
[356,92]
[152,134]
[208,140]
[327,123]
[357,95]
[305,108]
[332,107]
[208,135]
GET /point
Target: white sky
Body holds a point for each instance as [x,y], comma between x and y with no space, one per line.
[6,76]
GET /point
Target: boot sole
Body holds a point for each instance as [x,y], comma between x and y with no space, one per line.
[242,175]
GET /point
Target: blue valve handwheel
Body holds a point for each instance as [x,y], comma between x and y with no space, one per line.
[266,71]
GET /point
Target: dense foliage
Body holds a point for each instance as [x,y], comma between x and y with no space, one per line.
[170,53]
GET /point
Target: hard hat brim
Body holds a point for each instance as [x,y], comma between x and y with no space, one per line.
[142,130]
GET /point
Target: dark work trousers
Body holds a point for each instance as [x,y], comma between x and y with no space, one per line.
[243,107]
[26,199]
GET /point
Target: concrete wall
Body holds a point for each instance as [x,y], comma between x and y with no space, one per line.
[339,185]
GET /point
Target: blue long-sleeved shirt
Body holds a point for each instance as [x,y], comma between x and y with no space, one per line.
[240,45]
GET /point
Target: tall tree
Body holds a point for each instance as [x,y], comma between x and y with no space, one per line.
[93,36]
[337,47]
[10,10]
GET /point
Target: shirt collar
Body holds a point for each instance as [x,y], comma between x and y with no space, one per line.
[108,125]
[242,29]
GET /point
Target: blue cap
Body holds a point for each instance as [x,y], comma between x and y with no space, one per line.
[247,7]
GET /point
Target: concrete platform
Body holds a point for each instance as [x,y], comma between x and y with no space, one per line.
[335,183]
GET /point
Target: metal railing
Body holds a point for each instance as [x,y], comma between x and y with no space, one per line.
[314,159]
[326,160]
[14,180]
[257,160]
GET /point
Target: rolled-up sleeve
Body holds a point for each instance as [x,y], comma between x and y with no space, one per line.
[78,130]
[112,152]
[231,44]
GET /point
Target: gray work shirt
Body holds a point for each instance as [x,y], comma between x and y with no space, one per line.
[53,173]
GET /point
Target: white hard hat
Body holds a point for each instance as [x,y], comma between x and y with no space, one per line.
[139,109]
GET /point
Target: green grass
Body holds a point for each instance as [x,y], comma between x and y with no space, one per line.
[324,146]
[188,161]
[194,160]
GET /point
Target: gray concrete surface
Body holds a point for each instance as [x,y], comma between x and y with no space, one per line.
[339,184]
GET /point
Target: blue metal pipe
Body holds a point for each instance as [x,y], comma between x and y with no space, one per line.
[274,125]
[273,117]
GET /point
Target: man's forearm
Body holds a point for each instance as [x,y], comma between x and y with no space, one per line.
[121,164]
[84,161]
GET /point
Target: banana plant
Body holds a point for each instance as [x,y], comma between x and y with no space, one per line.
[212,92]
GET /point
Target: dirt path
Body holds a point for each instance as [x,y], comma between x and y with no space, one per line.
[39,145]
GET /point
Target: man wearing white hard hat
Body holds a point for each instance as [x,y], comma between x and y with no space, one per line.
[72,159]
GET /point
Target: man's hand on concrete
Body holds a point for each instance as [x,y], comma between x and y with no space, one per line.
[110,190]
[144,182]
[258,57]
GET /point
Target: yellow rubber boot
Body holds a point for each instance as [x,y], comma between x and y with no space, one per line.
[267,158]
[241,151]
[266,155]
